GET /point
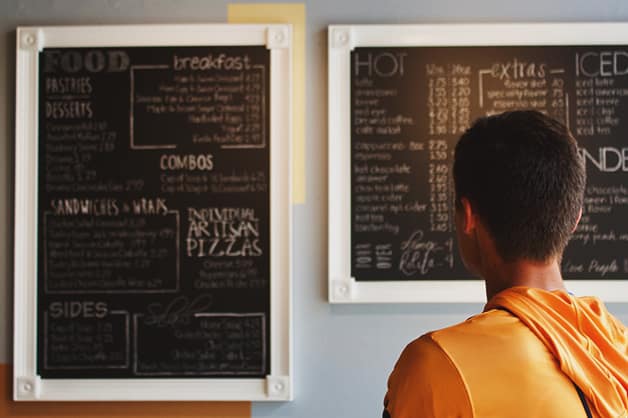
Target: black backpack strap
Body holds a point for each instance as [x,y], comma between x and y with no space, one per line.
[583,399]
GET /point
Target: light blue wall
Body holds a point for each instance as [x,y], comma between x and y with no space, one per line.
[343,354]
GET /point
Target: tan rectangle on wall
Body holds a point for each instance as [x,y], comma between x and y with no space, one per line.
[10,408]
[292,13]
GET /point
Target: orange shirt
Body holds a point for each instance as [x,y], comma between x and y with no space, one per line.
[494,365]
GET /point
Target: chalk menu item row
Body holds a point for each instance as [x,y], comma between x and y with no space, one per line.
[400,96]
[158,158]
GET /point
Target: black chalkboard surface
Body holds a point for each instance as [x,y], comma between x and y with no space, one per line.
[154,212]
[408,107]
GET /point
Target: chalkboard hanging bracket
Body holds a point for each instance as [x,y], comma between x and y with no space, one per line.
[29,39]
[343,290]
[28,388]
[278,37]
[278,387]
[340,38]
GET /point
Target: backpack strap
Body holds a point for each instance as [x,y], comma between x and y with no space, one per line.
[583,399]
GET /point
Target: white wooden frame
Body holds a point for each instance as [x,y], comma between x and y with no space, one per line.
[342,39]
[277,386]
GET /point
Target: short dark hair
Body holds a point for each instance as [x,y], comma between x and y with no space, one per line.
[522,174]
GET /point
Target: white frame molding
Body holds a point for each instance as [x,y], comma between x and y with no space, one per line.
[28,385]
[342,39]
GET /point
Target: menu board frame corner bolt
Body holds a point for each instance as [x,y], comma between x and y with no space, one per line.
[340,37]
[279,36]
[278,388]
[29,38]
[27,388]
[342,290]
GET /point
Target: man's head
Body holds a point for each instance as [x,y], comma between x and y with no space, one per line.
[521,175]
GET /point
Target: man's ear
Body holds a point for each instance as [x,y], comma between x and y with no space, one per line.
[577,220]
[468,216]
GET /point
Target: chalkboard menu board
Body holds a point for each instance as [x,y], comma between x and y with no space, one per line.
[153,212]
[155,226]
[408,104]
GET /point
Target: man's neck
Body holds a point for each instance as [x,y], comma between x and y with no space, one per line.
[542,275]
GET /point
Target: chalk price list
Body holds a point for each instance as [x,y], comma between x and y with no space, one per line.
[599,245]
[396,223]
[224,106]
[153,206]
[410,105]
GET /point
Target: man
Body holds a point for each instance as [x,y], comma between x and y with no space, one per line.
[536,350]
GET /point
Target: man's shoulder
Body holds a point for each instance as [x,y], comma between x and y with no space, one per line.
[471,361]
[495,330]
[430,377]
[426,383]
[450,351]
[486,324]
[492,326]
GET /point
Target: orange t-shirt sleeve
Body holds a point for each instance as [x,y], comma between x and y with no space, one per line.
[425,384]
